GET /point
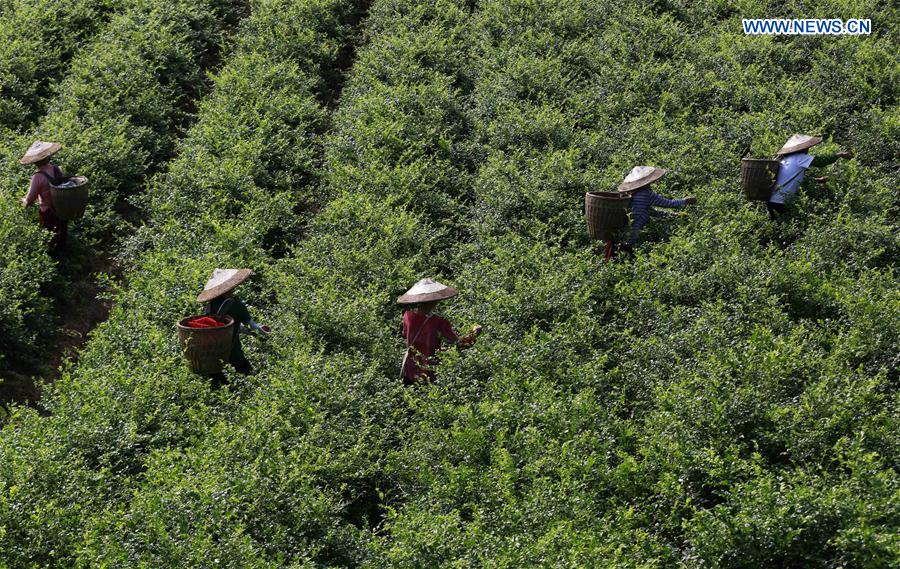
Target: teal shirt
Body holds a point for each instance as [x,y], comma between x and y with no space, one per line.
[238,310]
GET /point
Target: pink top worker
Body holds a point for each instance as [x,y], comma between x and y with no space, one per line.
[425,332]
[39,155]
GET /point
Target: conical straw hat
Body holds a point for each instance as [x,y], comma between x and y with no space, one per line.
[427,290]
[223,281]
[40,150]
[641,176]
[798,142]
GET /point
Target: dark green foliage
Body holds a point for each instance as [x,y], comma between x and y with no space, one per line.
[725,398]
[37,40]
[116,115]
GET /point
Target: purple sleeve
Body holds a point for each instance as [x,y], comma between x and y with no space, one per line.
[33,190]
[660,201]
[447,331]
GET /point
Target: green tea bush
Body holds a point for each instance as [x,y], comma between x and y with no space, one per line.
[709,355]
[26,266]
[241,172]
[116,114]
[37,41]
[724,397]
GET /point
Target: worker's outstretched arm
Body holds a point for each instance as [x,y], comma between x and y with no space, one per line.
[32,194]
[262,329]
[660,201]
[820,160]
[825,159]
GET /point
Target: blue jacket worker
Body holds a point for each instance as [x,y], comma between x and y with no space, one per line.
[644,200]
[795,160]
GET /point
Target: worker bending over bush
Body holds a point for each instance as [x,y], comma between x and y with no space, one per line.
[218,294]
[644,200]
[795,160]
[425,331]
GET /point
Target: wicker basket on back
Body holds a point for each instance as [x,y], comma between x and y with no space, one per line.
[606,214]
[70,197]
[758,177]
[206,349]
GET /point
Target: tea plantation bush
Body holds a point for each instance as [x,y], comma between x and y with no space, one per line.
[37,40]
[720,400]
[117,114]
[232,191]
[726,397]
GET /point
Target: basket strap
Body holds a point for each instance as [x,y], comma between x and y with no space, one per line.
[50,180]
[57,174]
[225,303]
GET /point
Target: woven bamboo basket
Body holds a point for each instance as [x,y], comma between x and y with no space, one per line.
[69,203]
[606,214]
[206,349]
[758,177]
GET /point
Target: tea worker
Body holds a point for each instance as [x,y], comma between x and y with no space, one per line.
[795,160]
[218,295]
[39,154]
[644,200]
[425,331]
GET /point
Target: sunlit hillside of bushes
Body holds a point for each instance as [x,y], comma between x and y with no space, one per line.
[725,397]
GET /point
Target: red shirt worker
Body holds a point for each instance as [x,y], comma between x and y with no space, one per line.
[425,332]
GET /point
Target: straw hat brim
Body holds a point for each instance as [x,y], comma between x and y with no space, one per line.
[653,176]
[38,156]
[802,146]
[226,287]
[444,294]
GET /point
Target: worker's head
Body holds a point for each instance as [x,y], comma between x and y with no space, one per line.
[222,283]
[426,307]
[40,152]
[426,291]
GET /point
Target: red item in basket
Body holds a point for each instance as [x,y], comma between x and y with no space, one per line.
[204,322]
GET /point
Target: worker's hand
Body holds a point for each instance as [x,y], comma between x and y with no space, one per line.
[690,200]
[266,329]
[846,154]
[821,179]
[24,202]
[476,330]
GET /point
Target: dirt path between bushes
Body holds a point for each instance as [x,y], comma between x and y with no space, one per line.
[77,293]
[79,285]
[78,309]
